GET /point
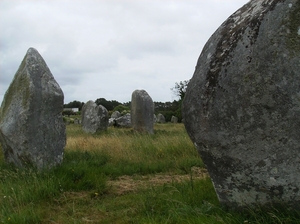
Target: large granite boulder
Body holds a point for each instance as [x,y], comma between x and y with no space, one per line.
[94,118]
[32,131]
[242,106]
[142,110]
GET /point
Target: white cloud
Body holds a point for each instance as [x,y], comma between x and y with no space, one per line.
[109,48]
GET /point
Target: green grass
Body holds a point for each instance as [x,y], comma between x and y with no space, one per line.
[81,189]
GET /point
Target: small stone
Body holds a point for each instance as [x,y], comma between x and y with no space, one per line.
[123,121]
[161,119]
[174,119]
[115,114]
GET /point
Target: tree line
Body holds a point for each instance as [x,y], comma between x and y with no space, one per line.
[168,109]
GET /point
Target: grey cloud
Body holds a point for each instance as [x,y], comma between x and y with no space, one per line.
[109,48]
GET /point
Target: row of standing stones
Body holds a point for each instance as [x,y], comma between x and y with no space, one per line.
[95,118]
[241,108]
[32,131]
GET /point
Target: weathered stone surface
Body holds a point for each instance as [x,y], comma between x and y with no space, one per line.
[94,118]
[123,121]
[32,131]
[161,119]
[117,120]
[242,106]
[174,119]
[142,110]
[115,114]
[111,122]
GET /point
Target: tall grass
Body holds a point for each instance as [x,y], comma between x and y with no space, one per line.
[78,191]
[128,152]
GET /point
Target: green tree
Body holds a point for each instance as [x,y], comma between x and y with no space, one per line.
[179,91]
[122,109]
[74,104]
[168,109]
[180,88]
[108,104]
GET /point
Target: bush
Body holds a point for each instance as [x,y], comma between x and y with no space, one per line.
[121,108]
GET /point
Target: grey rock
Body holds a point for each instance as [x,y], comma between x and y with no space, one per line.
[77,121]
[115,114]
[161,119]
[174,119]
[32,131]
[123,121]
[111,122]
[94,117]
[142,110]
[242,106]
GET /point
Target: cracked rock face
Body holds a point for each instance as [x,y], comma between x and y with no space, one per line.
[242,105]
[32,131]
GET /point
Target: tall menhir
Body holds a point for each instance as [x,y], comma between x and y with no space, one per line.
[142,111]
[32,131]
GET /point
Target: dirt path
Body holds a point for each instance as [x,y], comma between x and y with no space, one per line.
[127,184]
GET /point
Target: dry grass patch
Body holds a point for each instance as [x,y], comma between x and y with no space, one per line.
[128,184]
[126,144]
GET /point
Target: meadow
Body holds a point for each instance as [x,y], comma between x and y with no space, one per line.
[121,176]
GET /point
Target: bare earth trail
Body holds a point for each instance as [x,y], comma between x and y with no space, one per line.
[128,184]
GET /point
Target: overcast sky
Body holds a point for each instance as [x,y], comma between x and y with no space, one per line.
[109,48]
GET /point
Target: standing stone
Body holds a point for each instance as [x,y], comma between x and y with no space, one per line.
[174,119]
[161,119]
[94,117]
[142,110]
[242,106]
[32,131]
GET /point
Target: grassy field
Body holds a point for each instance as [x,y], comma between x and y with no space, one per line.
[121,176]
